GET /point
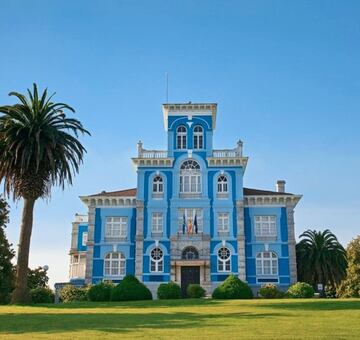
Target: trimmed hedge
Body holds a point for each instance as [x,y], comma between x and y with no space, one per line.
[195,291]
[270,291]
[300,290]
[71,293]
[129,289]
[100,292]
[42,295]
[169,290]
[233,288]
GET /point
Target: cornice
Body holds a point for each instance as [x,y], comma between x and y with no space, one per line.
[153,162]
[227,161]
[265,200]
[109,201]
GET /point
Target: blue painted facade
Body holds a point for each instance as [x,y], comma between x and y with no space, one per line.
[240,208]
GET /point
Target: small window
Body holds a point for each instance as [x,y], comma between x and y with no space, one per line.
[84,238]
[265,226]
[114,264]
[158,187]
[157,222]
[190,253]
[224,260]
[116,228]
[181,137]
[266,263]
[156,260]
[198,137]
[222,184]
[223,223]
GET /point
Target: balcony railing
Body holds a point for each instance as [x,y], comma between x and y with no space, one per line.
[153,154]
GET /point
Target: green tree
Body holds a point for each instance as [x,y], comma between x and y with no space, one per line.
[350,286]
[6,255]
[37,278]
[320,258]
[39,148]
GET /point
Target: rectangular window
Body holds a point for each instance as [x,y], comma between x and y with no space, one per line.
[116,227]
[157,222]
[190,219]
[265,226]
[84,238]
[223,222]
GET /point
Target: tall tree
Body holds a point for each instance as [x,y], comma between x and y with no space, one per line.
[39,148]
[6,255]
[350,286]
[320,258]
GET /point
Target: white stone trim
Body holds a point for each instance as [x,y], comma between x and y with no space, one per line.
[153,162]
[109,201]
[227,161]
[271,200]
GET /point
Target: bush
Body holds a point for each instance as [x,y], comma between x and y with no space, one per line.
[100,292]
[71,293]
[130,288]
[300,290]
[270,291]
[42,295]
[233,288]
[195,291]
[169,290]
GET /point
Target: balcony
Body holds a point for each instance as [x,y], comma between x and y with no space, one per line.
[154,154]
[152,157]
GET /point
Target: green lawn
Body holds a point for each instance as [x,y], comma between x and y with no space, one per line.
[201,319]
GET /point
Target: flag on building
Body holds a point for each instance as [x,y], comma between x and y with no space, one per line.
[195,224]
[184,224]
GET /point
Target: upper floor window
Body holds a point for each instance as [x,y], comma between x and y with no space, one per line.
[190,178]
[265,226]
[84,238]
[223,223]
[158,187]
[198,137]
[114,264]
[181,137]
[157,222]
[190,220]
[116,227]
[224,260]
[156,260]
[266,263]
[190,253]
[222,186]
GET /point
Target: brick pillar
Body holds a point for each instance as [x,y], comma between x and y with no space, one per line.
[90,245]
[241,239]
[139,239]
[291,242]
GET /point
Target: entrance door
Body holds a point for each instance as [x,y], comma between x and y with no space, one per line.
[189,274]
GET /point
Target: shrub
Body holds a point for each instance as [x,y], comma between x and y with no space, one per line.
[233,288]
[300,290]
[195,291]
[71,293]
[130,288]
[169,290]
[270,291]
[100,292]
[42,295]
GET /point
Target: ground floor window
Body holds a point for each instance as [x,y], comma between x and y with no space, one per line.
[114,264]
[224,260]
[156,260]
[266,263]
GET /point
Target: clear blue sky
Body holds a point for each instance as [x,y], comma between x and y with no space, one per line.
[285,75]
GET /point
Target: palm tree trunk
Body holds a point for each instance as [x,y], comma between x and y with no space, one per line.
[21,291]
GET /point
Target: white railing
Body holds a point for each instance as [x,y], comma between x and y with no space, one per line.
[225,153]
[153,154]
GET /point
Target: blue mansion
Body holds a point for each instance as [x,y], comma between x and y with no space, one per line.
[190,219]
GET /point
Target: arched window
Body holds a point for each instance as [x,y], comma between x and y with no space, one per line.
[190,253]
[266,263]
[158,187]
[181,137]
[224,260]
[198,137]
[190,177]
[222,184]
[114,264]
[156,260]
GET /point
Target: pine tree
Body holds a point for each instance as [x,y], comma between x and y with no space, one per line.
[6,255]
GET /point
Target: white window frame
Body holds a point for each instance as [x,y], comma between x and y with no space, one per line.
[198,138]
[223,222]
[158,187]
[190,178]
[77,266]
[114,264]
[156,262]
[265,226]
[222,186]
[157,222]
[181,137]
[223,264]
[116,227]
[84,238]
[190,214]
[267,264]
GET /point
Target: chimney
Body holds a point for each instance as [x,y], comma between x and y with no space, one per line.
[280,185]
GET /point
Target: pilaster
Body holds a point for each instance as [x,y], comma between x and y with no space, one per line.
[291,242]
[241,239]
[139,239]
[90,245]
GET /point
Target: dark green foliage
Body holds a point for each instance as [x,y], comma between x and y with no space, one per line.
[42,295]
[300,290]
[350,286]
[101,291]
[6,255]
[37,278]
[330,292]
[130,288]
[320,258]
[169,290]
[270,291]
[195,291]
[71,293]
[233,288]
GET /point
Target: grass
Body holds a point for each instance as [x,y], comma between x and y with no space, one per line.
[200,319]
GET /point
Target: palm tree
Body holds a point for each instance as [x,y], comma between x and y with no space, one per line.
[320,258]
[38,149]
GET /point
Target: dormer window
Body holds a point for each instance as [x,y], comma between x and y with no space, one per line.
[222,187]
[198,137]
[181,137]
[158,187]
